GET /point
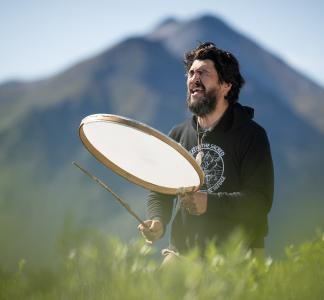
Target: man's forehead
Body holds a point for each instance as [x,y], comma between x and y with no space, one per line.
[198,64]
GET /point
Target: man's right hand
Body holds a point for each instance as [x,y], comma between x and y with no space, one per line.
[152,231]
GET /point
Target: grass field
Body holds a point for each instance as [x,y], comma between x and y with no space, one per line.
[98,267]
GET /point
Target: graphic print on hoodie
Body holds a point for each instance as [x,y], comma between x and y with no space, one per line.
[212,164]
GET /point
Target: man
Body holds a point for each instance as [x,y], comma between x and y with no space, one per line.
[234,154]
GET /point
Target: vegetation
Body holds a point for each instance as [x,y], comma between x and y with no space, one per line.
[97,267]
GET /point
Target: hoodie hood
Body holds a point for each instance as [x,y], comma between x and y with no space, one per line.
[241,115]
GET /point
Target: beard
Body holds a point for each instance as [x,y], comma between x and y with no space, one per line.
[203,105]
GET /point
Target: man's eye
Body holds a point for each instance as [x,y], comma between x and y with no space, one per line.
[202,72]
[199,72]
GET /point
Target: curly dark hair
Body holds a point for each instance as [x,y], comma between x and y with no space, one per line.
[226,65]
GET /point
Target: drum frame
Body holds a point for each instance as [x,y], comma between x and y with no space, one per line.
[148,130]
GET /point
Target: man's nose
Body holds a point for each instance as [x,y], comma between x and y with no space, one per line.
[195,78]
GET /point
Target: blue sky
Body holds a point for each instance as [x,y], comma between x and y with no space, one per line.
[42,38]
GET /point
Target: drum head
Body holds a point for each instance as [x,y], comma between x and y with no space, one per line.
[141,154]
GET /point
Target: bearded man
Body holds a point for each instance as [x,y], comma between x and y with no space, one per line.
[234,153]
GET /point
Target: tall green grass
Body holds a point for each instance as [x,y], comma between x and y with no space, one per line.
[105,268]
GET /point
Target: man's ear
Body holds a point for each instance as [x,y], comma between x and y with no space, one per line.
[226,88]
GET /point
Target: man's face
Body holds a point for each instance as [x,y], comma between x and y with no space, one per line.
[204,88]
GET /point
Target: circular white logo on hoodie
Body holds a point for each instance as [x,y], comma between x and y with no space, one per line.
[212,164]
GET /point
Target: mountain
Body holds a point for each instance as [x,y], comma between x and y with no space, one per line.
[143,78]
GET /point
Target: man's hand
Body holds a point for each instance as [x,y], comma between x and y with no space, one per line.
[153,230]
[194,203]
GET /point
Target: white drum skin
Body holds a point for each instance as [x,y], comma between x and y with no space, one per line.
[141,154]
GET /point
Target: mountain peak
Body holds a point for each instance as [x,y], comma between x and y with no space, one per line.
[165,28]
[208,19]
[167,22]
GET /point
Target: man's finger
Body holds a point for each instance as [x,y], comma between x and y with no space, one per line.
[187,200]
[147,224]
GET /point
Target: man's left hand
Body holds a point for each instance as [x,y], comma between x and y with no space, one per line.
[194,203]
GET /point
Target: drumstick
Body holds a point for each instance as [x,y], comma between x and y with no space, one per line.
[120,200]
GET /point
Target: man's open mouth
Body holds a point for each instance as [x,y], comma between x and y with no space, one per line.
[196,91]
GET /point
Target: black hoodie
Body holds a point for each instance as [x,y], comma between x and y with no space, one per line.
[238,179]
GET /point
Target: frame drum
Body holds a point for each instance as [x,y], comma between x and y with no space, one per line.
[141,154]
